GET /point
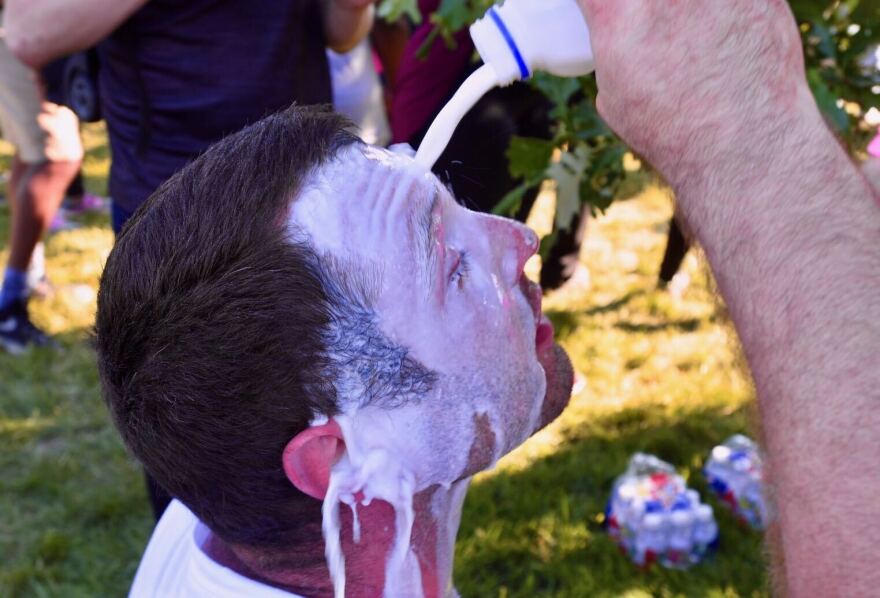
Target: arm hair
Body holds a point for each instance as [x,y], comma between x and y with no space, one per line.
[792,231]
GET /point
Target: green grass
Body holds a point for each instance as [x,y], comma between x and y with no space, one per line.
[663,375]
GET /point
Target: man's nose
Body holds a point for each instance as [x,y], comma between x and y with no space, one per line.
[515,243]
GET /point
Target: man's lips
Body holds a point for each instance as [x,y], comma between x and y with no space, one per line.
[543,327]
[543,334]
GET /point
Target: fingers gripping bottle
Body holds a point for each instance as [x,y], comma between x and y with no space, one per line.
[514,40]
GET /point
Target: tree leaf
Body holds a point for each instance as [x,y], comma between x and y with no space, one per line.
[827,101]
[558,89]
[393,10]
[568,172]
[510,203]
[455,15]
[529,156]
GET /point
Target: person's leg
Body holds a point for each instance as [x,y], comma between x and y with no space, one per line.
[16,172]
[50,154]
[14,281]
[38,191]
[76,189]
[676,248]
[37,198]
[564,256]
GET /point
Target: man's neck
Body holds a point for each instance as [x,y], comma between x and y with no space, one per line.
[437,514]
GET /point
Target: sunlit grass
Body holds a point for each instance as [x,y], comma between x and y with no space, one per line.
[662,374]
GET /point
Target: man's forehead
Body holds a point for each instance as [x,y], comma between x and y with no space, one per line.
[363,186]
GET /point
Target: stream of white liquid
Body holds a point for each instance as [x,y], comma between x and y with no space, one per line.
[441,130]
[376,474]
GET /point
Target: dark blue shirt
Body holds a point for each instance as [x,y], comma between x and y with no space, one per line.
[181,74]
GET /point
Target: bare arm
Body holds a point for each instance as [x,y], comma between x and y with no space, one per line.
[713,94]
[871,170]
[38,31]
[346,23]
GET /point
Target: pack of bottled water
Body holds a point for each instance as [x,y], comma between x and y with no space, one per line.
[655,518]
[735,473]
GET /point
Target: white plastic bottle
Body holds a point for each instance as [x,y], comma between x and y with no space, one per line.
[705,530]
[650,544]
[514,40]
[681,529]
[523,36]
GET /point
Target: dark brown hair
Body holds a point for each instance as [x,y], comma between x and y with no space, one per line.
[210,331]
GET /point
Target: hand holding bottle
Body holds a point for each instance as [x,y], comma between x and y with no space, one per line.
[688,83]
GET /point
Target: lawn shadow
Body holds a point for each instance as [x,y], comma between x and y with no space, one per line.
[564,322]
[539,531]
[616,304]
[686,325]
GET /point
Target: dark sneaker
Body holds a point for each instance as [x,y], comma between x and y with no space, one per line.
[17,331]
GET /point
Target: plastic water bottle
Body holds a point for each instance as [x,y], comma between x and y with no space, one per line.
[650,540]
[655,518]
[523,36]
[705,531]
[678,553]
[735,472]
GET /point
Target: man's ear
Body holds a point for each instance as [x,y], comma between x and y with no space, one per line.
[310,455]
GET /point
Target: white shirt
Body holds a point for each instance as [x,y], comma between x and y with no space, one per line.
[357,92]
[174,564]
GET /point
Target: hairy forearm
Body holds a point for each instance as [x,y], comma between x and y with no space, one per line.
[792,230]
[346,23]
[871,171]
[38,31]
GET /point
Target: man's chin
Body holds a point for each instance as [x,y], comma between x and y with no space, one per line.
[560,378]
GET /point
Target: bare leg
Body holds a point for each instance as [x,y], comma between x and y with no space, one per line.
[37,191]
[15,175]
[676,248]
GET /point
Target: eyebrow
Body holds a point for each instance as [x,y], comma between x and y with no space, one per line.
[422,227]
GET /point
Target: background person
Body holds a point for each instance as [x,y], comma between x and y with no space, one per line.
[358,92]
[177,77]
[48,153]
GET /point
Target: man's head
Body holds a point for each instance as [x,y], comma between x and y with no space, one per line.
[292,274]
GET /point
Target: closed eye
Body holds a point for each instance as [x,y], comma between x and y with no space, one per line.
[460,268]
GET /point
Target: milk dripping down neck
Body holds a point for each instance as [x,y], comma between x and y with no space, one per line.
[441,130]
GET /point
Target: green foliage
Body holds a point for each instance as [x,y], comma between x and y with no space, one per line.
[453,15]
[586,159]
[392,10]
[838,39]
